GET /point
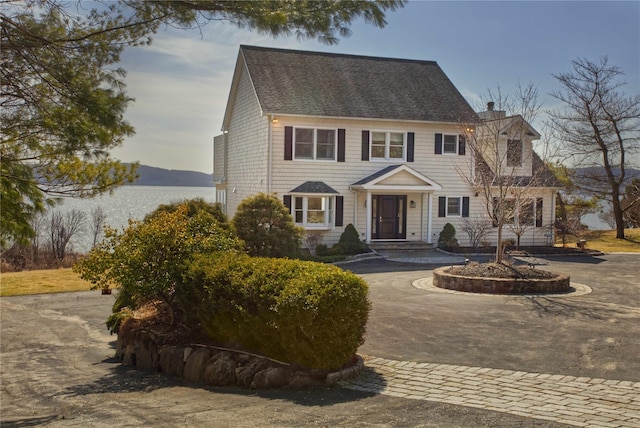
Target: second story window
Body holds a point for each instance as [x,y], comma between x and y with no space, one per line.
[450,144]
[514,153]
[387,145]
[314,144]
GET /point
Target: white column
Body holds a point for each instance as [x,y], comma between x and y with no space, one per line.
[367,211]
[429,211]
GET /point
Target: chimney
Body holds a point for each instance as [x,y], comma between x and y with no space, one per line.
[490,105]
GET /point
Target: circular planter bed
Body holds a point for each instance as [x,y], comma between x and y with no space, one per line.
[493,278]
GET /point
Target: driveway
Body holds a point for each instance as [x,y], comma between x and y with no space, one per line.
[57,366]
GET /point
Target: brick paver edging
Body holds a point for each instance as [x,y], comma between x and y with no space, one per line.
[578,401]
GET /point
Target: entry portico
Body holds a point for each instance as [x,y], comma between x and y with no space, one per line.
[389,195]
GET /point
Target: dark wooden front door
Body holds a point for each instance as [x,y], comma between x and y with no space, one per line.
[389,217]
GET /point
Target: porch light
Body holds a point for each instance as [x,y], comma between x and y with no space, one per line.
[274,120]
[412,204]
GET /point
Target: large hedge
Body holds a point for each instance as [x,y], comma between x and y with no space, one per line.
[146,261]
[306,313]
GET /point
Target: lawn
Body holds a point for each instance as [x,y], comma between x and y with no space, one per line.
[41,281]
[605,241]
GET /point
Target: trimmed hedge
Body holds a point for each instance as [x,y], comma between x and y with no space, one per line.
[306,313]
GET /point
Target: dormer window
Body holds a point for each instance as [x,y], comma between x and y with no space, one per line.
[514,153]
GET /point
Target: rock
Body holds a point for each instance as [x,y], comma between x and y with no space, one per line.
[147,355]
[274,377]
[171,360]
[301,381]
[333,378]
[220,370]
[196,365]
[245,374]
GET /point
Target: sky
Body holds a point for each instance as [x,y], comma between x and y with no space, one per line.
[181,82]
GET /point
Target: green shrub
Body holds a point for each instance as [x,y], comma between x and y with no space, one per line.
[194,206]
[267,228]
[147,260]
[350,242]
[447,238]
[306,313]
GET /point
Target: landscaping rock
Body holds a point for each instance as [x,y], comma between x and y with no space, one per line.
[274,377]
[171,360]
[246,373]
[221,370]
[196,365]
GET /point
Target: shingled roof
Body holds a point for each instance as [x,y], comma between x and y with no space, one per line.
[337,85]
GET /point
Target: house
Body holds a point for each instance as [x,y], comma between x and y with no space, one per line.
[376,142]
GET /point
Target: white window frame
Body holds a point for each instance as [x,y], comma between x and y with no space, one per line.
[315,144]
[387,146]
[221,198]
[329,213]
[457,148]
[459,198]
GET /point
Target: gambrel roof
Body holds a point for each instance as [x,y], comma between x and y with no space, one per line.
[292,82]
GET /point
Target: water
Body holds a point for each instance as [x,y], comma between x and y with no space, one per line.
[128,202]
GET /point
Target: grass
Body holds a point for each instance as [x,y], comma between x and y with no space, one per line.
[605,241]
[41,281]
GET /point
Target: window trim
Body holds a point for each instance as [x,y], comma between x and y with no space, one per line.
[330,214]
[387,146]
[457,148]
[315,144]
[446,212]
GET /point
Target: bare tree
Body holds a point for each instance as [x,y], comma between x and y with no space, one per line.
[598,130]
[477,229]
[606,215]
[506,172]
[98,219]
[63,228]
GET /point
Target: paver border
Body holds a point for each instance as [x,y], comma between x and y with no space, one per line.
[577,289]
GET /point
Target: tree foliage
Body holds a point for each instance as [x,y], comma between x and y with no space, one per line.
[147,260]
[63,95]
[631,204]
[266,227]
[598,130]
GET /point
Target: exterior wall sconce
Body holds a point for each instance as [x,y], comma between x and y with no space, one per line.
[274,120]
[412,204]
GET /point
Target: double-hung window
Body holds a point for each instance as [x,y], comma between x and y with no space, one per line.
[388,145]
[450,144]
[314,144]
[454,207]
[314,211]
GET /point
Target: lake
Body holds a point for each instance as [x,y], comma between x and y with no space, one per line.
[130,202]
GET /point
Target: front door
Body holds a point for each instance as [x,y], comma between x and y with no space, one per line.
[389,217]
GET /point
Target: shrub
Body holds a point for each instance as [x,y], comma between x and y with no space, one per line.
[193,206]
[306,313]
[350,242]
[447,239]
[266,227]
[147,260]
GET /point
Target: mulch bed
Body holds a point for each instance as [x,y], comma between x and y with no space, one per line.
[500,270]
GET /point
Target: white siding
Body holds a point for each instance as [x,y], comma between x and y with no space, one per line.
[247,147]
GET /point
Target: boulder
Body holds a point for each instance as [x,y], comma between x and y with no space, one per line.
[273,377]
[245,374]
[221,370]
[195,365]
[171,360]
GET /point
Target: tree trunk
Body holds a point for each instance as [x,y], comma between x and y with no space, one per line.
[617,214]
[499,246]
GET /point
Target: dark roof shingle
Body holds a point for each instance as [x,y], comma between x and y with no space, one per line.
[338,85]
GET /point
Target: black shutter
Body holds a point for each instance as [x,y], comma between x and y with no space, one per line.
[339,210]
[288,142]
[465,206]
[365,145]
[286,199]
[341,145]
[462,145]
[410,145]
[442,206]
[438,144]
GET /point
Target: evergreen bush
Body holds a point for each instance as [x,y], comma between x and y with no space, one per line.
[306,313]
[447,238]
[350,242]
[266,227]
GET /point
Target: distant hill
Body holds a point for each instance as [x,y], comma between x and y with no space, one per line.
[152,176]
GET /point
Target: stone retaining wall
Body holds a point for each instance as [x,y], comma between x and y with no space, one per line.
[202,364]
[443,279]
